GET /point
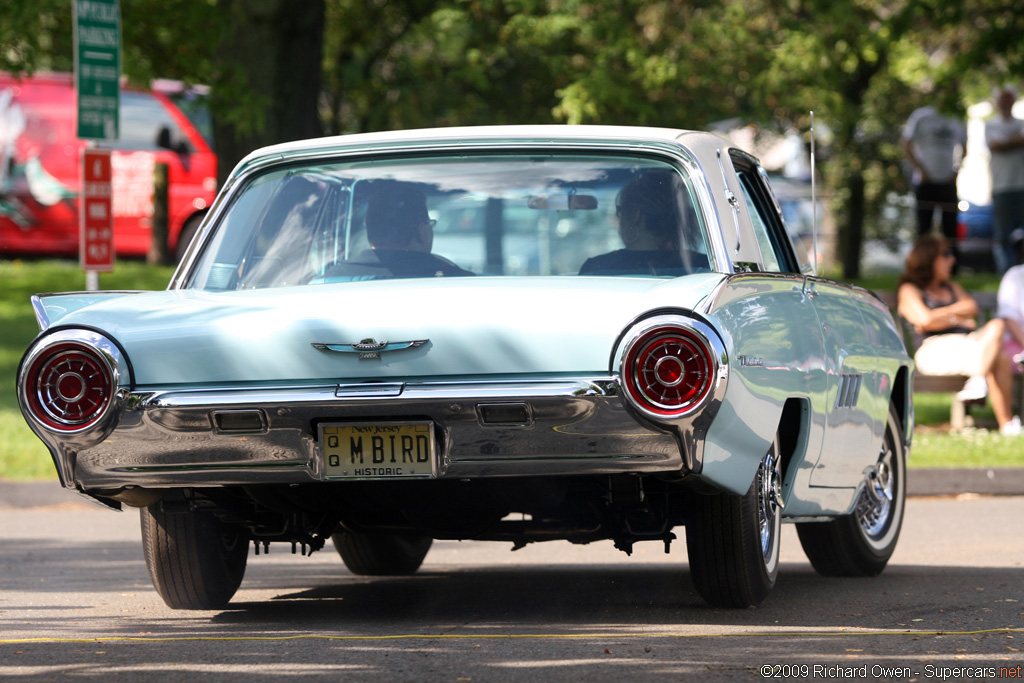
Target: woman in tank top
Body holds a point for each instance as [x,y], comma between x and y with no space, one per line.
[943,313]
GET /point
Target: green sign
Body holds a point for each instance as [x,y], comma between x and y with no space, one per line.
[98,68]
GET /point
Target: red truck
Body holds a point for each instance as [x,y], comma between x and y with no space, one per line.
[40,167]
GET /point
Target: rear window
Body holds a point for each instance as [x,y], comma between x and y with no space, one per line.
[509,215]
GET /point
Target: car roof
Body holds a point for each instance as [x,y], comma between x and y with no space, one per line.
[445,137]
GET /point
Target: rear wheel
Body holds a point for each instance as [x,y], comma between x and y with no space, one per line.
[733,541]
[861,543]
[381,554]
[195,560]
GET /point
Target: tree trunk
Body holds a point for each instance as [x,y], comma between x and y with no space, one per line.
[159,251]
[271,56]
[851,235]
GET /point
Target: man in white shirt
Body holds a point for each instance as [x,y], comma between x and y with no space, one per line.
[935,143]
[1005,137]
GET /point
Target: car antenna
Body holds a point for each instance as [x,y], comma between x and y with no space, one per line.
[814,203]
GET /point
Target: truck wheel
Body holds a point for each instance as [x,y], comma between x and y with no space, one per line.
[861,543]
[195,560]
[733,541]
[381,554]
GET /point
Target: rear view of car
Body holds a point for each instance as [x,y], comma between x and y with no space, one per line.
[512,334]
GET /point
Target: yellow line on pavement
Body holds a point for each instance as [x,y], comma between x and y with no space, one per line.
[511,636]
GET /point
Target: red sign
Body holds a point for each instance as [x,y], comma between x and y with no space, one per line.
[95,216]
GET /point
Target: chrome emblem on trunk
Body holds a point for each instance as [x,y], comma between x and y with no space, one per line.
[369,349]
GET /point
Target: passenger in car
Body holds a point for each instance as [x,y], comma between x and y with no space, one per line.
[401,235]
[649,225]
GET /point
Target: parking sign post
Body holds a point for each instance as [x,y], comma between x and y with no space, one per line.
[97,38]
[95,215]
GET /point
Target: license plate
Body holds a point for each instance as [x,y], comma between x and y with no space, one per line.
[385,450]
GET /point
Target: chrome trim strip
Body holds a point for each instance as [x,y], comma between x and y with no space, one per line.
[731,199]
[42,317]
[369,389]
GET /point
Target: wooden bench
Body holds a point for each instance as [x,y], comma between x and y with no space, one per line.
[960,411]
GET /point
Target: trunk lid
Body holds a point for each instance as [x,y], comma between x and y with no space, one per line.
[471,327]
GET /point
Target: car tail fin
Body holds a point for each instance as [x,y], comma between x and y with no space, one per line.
[50,309]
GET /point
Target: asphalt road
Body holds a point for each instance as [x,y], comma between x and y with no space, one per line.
[76,601]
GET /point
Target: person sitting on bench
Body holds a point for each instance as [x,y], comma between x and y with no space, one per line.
[943,313]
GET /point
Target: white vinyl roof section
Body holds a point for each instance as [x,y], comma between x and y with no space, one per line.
[444,137]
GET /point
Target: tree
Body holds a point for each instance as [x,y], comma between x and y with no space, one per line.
[413,63]
[269,60]
[842,61]
[262,58]
[861,66]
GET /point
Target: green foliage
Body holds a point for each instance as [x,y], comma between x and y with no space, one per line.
[36,36]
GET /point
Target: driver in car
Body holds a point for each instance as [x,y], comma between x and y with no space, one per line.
[401,235]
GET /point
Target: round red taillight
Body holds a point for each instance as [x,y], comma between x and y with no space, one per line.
[668,370]
[69,386]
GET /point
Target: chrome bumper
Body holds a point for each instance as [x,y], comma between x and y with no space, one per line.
[240,435]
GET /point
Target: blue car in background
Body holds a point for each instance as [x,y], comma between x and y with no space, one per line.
[975,222]
[975,237]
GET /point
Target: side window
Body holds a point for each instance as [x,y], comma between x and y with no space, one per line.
[761,230]
[142,119]
[765,217]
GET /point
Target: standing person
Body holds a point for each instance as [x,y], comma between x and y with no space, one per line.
[935,143]
[1011,309]
[944,314]
[1004,135]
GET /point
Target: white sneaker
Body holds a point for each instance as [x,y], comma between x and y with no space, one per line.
[1012,428]
[975,389]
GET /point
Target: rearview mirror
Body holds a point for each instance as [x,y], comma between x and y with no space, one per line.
[563,202]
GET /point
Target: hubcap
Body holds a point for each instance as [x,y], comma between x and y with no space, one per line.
[876,501]
[769,501]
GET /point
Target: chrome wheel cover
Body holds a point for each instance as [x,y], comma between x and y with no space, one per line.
[874,509]
[769,507]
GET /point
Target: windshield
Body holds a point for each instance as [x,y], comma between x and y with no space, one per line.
[444,216]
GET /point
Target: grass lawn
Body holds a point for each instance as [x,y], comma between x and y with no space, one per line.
[23,457]
[936,446]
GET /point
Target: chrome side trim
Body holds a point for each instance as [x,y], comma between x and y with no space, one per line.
[731,199]
[42,317]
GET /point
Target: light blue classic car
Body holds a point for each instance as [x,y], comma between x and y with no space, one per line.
[508,334]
